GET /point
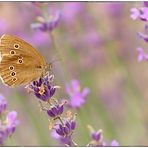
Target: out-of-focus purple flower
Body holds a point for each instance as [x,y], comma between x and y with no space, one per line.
[55,110]
[12,121]
[92,38]
[144,13]
[141,13]
[141,55]
[145,3]
[3,26]
[66,129]
[3,103]
[134,13]
[42,88]
[47,24]
[63,131]
[62,140]
[114,143]
[3,136]
[115,9]
[77,98]
[143,36]
[8,122]
[71,10]
[97,138]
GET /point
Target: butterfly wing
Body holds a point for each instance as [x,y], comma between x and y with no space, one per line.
[20,62]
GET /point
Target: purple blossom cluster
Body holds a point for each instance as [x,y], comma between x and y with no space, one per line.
[141,14]
[63,124]
[97,139]
[77,97]
[8,121]
[47,24]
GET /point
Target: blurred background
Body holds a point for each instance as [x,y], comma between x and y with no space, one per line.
[97,44]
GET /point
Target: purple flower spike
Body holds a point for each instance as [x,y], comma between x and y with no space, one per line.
[141,55]
[55,111]
[141,13]
[134,13]
[144,13]
[3,104]
[96,135]
[12,121]
[42,88]
[47,25]
[77,98]
[66,129]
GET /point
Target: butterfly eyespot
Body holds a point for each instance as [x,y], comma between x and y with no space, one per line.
[11,68]
[14,79]
[20,61]
[12,52]
[16,46]
[12,73]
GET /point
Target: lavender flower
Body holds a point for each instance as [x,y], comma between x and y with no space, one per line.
[141,13]
[141,55]
[63,131]
[71,10]
[97,138]
[42,88]
[12,122]
[77,98]
[114,143]
[55,110]
[47,24]
[8,122]
[3,104]
[134,13]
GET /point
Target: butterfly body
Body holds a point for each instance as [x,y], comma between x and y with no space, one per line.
[20,63]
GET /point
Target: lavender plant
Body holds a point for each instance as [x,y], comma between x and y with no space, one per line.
[141,13]
[62,122]
[8,121]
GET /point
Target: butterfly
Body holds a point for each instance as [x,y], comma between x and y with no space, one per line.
[20,63]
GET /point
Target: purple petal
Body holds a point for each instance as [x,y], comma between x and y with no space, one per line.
[52,91]
[61,109]
[143,36]
[85,92]
[145,3]
[68,89]
[73,125]
[68,125]
[114,143]
[134,13]
[12,118]
[76,100]
[144,13]
[141,54]
[96,136]
[54,110]
[75,85]
[66,130]
[50,113]
[60,132]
